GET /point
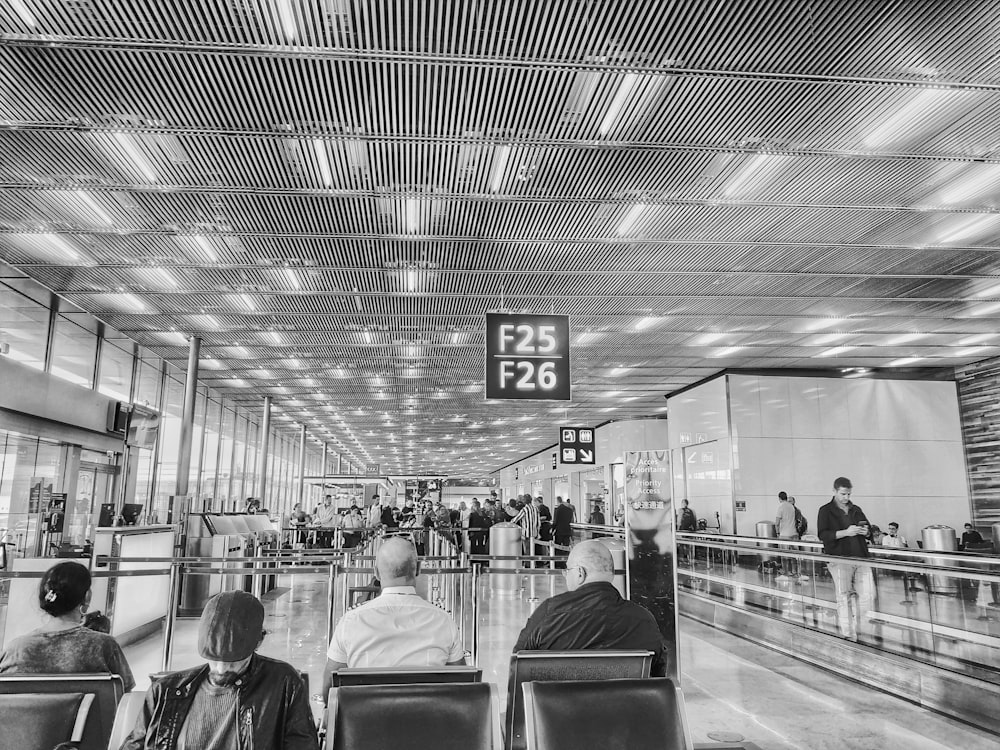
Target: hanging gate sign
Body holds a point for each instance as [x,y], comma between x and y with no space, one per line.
[527,356]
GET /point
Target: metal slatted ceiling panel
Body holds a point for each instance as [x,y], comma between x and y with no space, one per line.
[333,194]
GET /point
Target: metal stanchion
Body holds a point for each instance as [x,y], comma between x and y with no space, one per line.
[476,572]
[331,578]
[257,580]
[464,563]
[552,566]
[173,600]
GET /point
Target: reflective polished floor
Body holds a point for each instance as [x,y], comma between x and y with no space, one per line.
[732,687]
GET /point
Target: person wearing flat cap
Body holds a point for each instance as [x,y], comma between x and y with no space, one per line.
[239,700]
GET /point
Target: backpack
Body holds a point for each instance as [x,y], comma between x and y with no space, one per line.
[801,524]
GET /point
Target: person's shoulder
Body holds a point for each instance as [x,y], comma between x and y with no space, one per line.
[276,667]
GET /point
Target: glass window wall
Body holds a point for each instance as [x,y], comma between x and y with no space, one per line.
[24,326]
[74,352]
[116,370]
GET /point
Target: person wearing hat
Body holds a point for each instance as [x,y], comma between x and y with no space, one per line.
[238,699]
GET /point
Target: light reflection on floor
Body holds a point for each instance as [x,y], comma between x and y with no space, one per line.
[731,685]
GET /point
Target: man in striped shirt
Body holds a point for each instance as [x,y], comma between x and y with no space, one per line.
[529,521]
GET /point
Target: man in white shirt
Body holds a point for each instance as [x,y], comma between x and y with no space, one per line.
[893,538]
[398,628]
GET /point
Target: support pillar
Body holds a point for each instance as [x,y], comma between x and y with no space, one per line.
[302,463]
[187,419]
[265,434]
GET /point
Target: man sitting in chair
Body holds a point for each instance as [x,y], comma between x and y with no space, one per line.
[238,699]
[398,628]
[592,614]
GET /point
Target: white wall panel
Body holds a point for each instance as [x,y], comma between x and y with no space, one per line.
[898,441]
[834,416]
[744,400]
[703,410]
[775,408]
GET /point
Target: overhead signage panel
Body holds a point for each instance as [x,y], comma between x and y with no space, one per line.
[527,357]
[576,445]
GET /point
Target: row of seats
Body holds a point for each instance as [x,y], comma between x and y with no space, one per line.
[556,699]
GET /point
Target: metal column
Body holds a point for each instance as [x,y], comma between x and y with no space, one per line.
[187,418]
[302,463]
[265,432]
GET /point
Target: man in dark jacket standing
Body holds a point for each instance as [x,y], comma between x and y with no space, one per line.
[239,699]
[842,526]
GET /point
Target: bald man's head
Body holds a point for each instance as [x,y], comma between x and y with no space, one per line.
[396,563]
[596,561]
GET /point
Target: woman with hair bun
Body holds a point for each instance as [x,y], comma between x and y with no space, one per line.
[64,644]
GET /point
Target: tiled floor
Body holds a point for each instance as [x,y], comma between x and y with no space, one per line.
[730,685]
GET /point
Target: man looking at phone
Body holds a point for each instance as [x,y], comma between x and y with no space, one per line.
[842,526]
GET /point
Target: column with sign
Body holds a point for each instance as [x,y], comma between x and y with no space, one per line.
[527,357]
[649,519]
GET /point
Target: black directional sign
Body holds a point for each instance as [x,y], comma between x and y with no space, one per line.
[576,445]
[527,356]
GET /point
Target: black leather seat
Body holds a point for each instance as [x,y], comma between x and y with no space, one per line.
[444,716]
[107,690]
[404,675]
[594,664]
[40,721]
[645,714]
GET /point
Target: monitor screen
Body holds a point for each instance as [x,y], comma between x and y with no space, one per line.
[107,516]
[143,426]
[131,512]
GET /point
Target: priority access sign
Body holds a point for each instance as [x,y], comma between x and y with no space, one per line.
[576,445]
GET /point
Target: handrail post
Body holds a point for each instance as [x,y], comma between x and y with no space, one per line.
[331,579]
[476,567]
[173,599]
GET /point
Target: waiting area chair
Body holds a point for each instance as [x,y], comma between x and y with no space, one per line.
[644,714]
[128,713]
[107,690]
[528,666]
[443,716]
[405,675]
[40,721]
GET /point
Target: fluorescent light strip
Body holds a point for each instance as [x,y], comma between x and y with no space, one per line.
[758,170]
[904,361]
[130,301]
[984,177]
[248,302]
[973,226]
[819,325]
[618,103]
[500,168]
[319,146]
[992,291]
[972,350]
[904,338]
[55,242]
[709,338]
[287,17]
[165,276]
[94,206]
[411,207]
[835,351]
[22,10]
[293,279]
[411,280]
[986,309]
[919,109]
[138,159]
[206,247]
[631,218]
[827,339]
[977,338]
[645,323]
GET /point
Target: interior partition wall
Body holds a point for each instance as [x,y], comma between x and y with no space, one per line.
[739,439]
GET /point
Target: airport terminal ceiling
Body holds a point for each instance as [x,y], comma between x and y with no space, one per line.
[332,194]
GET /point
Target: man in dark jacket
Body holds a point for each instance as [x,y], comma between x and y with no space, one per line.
[842,527]
[239,699]
[592,614]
